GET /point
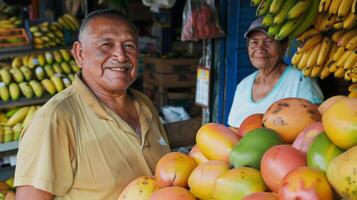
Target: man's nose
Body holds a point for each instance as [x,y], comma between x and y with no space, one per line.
[119,53]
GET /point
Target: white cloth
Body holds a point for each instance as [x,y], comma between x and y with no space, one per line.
[292,83]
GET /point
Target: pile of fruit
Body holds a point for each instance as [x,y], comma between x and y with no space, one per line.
[8,17]
[50,34]
[295,150]
[7,189]
[32,75]
[13,121]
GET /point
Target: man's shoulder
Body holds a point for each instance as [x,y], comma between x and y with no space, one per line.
[61,100]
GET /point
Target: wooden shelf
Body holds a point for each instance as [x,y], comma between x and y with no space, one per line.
[19,52]
[24,102]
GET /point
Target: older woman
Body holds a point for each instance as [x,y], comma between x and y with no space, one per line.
[273,79]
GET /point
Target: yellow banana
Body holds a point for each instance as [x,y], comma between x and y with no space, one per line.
[65,54]
[49,71]
[338,25]
[57,81]
[25,60]
[41,59]
[338,53]
[307,34]
[49,57]
[18,116]
[347,75]
[344,8]
[324,50]
[346,37]
[304,58]
[309,43]
[72,19]
[316,71]
[8,134]
[352,43]
[40,73]
[324,4]
[57,68]
[350,21]
[334,6]
[343,58]
[14,91]
[66,68]
[4,92]
[17,128]
[338,34]
[324,72]
[296,58]
[17,75]
[26,90]
[263,7]
[275,6]
[26,72]
[333,67]
[16,62]
[351,61]
[57,56]
[36,87]
[49,86]
[307,71]
[353,10]
[298,9]
[313,57]
[352,87]
[339,73]
[5,76]
[29,115]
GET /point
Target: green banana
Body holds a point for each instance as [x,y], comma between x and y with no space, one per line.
[298,9]
[26,90]
[57,68]
[263,7]
[275,6]
[65,54]
[36,87]
[71,77]
[4,92]
[281,15]
[255,2]
[49,57]
[11,112]
[40,73]
[49,71]
[57,81]
[18,116]
[14,90]
[66,68]
[17,75]
[308,19]
[26,72]
[74,66]
[268,20]
[17,128]
[274,29]
[288,27]
[8,134]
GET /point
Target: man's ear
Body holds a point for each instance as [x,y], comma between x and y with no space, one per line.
[77,53]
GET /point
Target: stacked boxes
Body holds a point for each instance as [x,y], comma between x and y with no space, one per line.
[170,81]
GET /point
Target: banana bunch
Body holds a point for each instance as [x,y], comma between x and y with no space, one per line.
[47,34]
[69,22]
[15,120]
[319,55]
[336,14]
[286,18]
[9,23]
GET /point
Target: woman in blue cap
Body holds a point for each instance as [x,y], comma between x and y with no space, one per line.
[273,80]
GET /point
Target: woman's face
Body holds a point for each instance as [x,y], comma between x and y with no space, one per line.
[263,50]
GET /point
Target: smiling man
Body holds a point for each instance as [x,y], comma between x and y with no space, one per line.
[92,139]
[273,79]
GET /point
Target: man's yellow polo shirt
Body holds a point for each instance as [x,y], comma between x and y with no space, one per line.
[77,148]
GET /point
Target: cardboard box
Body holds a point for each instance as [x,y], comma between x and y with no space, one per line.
[183,133]
[161,65]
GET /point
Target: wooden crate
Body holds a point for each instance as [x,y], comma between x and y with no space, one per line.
[13,38]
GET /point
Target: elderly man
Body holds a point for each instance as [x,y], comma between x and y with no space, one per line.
[92,139]
[273,79]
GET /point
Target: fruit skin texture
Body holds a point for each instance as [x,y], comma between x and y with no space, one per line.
[172,193]
[216,141]
[250,149]
[303,141]
[238,183]
[173,169]
[203,178]
[197,155]
[341,174]
[340,122]
[321,152]
[305,183]
[289,116]
[140,188]
[250,123]
[277,162]
[262,196]
[329,102]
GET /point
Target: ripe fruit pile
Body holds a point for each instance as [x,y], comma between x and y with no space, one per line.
[295,151]
[31,75]
[8,18]
[13,121]
[50,34]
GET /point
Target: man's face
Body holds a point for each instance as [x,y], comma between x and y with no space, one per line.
[263,50]
[108,54]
